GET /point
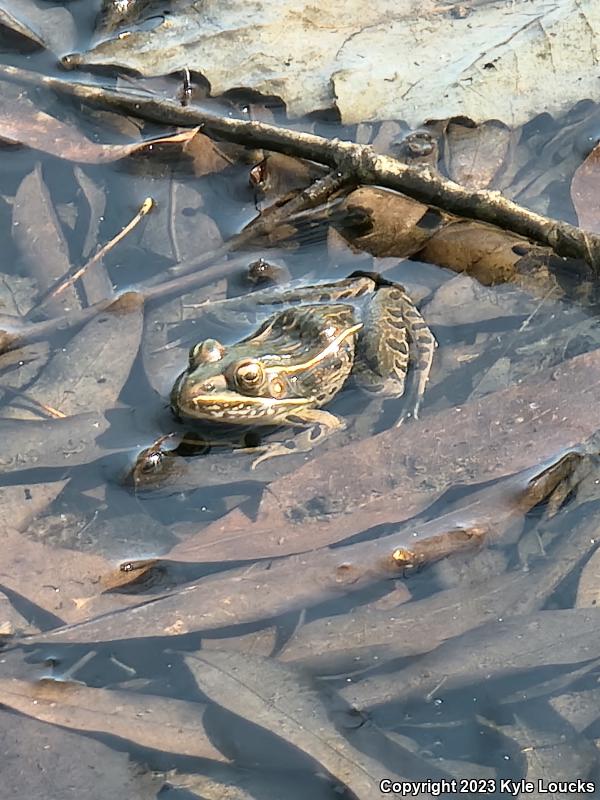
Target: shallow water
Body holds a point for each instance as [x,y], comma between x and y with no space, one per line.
[457,670]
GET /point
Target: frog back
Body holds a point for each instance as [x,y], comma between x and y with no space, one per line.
[312,346]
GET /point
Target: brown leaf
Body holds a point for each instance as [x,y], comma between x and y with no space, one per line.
[475,153]
[22,123]
[266,590]
[87,375]
[13,28]
[96,282]
[282,701]
[278,175]
[40,240]
[53,578]
[480,250]
[20,504]
[60,442]
[162,723]
[588,590]
[385,223]
[584,191]
[493,257]
[66,765]
[503,432]
[498,649]
[367,635]
[207,156]
[11,622]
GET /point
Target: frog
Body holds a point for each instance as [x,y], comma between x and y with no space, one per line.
[320,337]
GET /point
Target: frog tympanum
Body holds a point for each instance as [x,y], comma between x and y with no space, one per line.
[362,327]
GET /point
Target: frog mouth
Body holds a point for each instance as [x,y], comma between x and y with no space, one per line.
[231,407]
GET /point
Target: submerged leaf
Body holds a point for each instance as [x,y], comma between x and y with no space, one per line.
[163,723]
[22,123]
[280,700]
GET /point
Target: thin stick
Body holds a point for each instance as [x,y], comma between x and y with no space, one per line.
[70,278]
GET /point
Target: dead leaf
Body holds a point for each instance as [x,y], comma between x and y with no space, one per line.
[207,156]
[475,153]
[549,745]
[584,192]
[162,723]
[22,123]
[38,26]
[11,27]
[266,590]
[280,700]
[40,240]
[87,375]
[498,649]
[385,223]
[588,590]
[278,175]
[504,432]
[61,442]
[359,59]
[96,282]
[19,504]
[11,622]
[53,578]
[66,765]
[367,636]
[492,256]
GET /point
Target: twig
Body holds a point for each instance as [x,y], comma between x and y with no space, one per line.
[359,161]
[73,275]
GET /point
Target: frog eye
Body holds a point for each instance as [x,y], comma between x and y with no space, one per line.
[250,374]
[206,352]
[277,388]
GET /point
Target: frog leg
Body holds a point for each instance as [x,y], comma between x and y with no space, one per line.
[322,425]
[394,336]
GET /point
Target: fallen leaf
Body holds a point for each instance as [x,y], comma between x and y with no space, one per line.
[367,636]
[62,442]
[279,699]
[475,153]
[146,720]
[549,745]
[385,223]
[12,27]
[23,123]
[503,432]
[40,240]
[51,577]
[11,622]
[498,649]
[514,60]
[588,589]
[88,373]
[267,590]
[66,765]
[38,26]
[584,192]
